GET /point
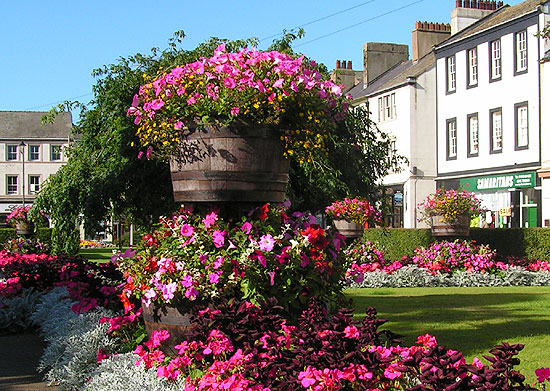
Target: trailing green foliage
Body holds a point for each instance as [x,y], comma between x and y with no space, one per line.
[529,243]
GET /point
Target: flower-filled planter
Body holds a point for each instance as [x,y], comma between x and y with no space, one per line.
[199,258]
[227,122]
[24,227]
[350,216]
[20,219]
[448,213]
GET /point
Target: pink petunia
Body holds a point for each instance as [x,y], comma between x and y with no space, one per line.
[246,227]
[210,219]
[218,238]
[542,374]
[266,242]
[186,230]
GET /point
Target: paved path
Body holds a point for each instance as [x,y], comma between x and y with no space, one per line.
[19,356]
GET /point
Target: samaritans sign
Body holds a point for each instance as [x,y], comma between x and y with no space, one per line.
[493,182]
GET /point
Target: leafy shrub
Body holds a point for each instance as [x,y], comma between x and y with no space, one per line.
[6,234]
[397,243]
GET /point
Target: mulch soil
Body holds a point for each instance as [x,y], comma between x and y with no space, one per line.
[19,357]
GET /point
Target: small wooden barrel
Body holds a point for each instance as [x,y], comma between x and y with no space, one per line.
[459,228]
[221,165]
[349,229]
[177,322]
[23,228]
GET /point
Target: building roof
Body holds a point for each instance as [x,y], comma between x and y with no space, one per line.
[500,16]
[27,125]
[395,77]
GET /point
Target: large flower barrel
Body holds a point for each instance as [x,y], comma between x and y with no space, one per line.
[457,228]
[349,229]
[224,165]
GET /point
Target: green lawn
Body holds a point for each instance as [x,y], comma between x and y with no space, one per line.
[471,320]
[97,254]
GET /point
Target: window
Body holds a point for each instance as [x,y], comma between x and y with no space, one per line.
[473,135]
[451,74]
[496,63]
[34,152]
[34,184]
[522,125]
[451,139]
[11,182]
[386,107]
[521,52]
[495,116]
[55,152]
[472,67]
[11,152]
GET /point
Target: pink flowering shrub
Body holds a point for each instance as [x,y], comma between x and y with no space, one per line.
[355,210]
[238,345]
[89,284]
[247,87]
[198,257]
[446,257]
[18,215]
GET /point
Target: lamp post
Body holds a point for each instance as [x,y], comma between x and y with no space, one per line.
[23,145]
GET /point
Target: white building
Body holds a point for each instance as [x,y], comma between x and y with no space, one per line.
[29,153]
[402,104]
[489,110]
[544,172]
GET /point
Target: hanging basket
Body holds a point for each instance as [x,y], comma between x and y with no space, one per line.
[164,317]
[223,165]
[349,229]
[24,228]
[459,228]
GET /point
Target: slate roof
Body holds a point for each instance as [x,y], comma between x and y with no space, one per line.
[500,16]
[395,76]
[27,125]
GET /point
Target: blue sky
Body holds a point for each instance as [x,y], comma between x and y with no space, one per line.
[49,48]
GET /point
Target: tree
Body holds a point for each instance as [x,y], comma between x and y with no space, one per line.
[104,176]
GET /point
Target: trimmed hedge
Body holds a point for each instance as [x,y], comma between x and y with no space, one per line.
[43,234]
[529,243]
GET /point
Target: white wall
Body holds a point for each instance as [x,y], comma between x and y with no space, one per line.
[486,96]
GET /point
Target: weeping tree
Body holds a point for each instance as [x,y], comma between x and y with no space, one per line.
[104,177]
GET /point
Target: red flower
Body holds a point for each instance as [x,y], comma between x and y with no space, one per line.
[316,236]
[263,212]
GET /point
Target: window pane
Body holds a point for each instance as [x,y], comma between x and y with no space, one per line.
[522,124]
[474,135]
[11,152]
[495,60]
[34,184]
[11,185]
[451,74]
[55,152]
[521,51]
[472,68]
[497,130]
[34,152]
[451,128]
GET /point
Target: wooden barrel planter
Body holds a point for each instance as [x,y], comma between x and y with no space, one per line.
[349,229]
[24,228]
[222,165]
[459,228]
[163,317]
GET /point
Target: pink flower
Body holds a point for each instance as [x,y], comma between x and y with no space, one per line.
[229,82]
[191,101]
[214,278]
[156,104]
[218,238]
[210,219]
[246,227]
[351,332]
[542,374]
[186,230]
[234,110]
[266,242]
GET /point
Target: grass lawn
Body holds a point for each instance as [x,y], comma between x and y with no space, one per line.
[471,320]
[97,254]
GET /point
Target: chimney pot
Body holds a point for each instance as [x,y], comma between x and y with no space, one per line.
[337,64]
[431,26]
[458,3]
[349,65]
[417,25]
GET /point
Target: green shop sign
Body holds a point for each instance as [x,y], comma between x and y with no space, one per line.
[506,181]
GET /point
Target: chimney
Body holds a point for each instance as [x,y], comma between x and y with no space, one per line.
[379,57]
[426,35]
[345,75]
[470,11]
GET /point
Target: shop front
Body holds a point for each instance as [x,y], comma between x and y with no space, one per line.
[512,200]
